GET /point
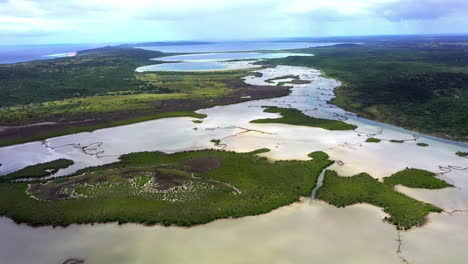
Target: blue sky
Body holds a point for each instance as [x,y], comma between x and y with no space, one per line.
[80,21]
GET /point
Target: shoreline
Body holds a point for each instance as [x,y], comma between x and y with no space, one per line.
[240,92]
[302,200]
[120,223]
[426,133]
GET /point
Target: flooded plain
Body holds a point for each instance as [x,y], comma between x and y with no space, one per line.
[300,233]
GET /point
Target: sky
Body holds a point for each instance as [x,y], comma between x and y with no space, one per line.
[112,21]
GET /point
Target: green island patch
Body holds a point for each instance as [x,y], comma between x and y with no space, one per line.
[373,140]
[462,154]
[291,116]
[184,189]
[38,170]
[422,144]
[416,178]
[404,211]
[396,141]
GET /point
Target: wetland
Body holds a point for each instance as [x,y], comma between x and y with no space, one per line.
[242,184]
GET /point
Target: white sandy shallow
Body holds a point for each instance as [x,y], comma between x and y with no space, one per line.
[294,234]
[442,240]
[304,232]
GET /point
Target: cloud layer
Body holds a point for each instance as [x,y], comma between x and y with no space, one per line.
[58,21]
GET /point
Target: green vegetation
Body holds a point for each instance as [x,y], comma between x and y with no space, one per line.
[184,189]
[422,144]
[373,140]
[139,95]
[420,85]
[90,106]
[216,142]
[404,211]
[197,121]
[462,154]
[293,116]
[38,170]
[99,88]
[79,129]
[397,141]
[416,178]
[89,73]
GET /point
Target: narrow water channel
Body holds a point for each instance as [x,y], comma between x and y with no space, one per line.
[319,184]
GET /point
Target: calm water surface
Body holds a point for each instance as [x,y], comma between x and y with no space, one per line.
[235,46]
[212,61]
[228,56]
[14,54]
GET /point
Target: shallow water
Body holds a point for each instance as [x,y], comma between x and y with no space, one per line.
[449,199]
[183,66]
[442,240]
[213,61]
[299,233]
[295,234]
[228,56]
[235,46]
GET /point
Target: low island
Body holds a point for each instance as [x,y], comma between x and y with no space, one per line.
[291,116]
[185,189]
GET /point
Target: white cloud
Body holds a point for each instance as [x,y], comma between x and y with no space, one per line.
[198,19]
[21,8]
